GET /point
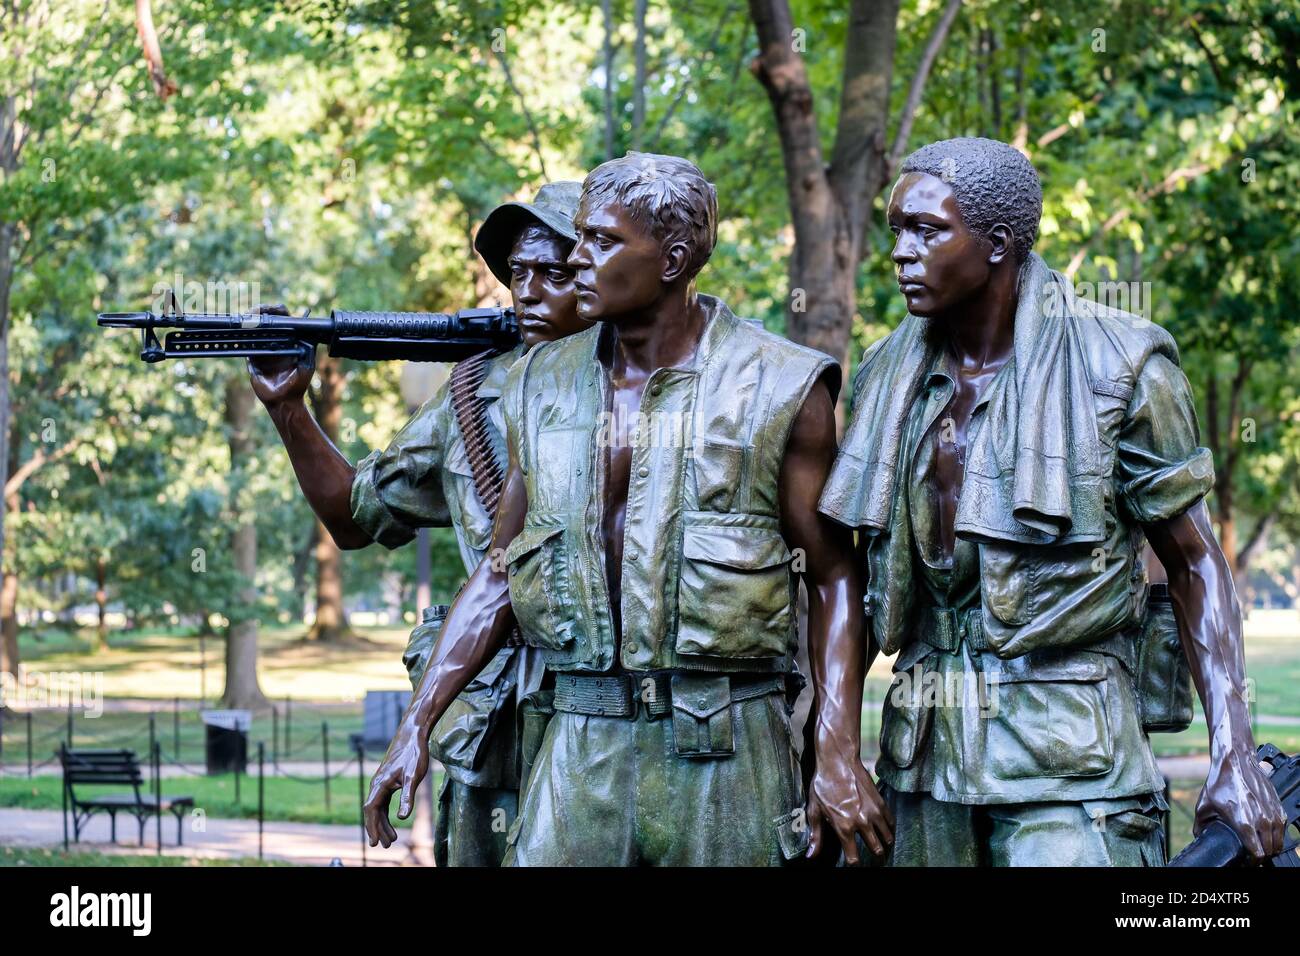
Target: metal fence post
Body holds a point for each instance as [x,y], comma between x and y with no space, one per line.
[69,721]
[176,729]
[288,723]
[157,794]
[361,792]
[63,764]
[275,733]
[153,731]
[261,793]
[1169,802]
[325,755]
[29,743]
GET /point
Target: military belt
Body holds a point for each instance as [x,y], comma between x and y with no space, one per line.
[620,695]
[944,628]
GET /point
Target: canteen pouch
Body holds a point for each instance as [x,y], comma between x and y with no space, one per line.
[418,649]
[702,715]
[1164,678]
[535,713]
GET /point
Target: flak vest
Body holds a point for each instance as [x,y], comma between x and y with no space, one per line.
[707,577]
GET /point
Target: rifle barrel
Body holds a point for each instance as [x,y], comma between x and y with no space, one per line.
[376,336]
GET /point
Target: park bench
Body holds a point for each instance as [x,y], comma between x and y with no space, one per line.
[112,767]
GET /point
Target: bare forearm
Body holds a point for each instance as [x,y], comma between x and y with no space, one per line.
[838,664]
[324,475]
[476,628]
[1209,616]
[1209,624]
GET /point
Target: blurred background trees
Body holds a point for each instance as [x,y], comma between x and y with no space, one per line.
[328,153]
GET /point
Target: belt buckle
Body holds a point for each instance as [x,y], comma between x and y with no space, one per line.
[959,625]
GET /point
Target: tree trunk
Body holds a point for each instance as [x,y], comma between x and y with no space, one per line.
[9,654]
[331,623]
[242,688]
[101,603]
[301,561]
[9,659]
[8,165]
[830,203]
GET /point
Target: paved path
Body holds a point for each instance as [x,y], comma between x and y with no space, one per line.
[306,844]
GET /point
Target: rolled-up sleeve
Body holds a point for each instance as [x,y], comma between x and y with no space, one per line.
[400,489]
[844,496]
[1161,468]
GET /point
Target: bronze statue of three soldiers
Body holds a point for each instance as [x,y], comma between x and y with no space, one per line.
[611,685]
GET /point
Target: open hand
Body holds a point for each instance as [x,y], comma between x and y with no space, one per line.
[403,767]
[843,795]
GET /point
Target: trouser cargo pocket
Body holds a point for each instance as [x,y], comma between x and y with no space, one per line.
[1052,718]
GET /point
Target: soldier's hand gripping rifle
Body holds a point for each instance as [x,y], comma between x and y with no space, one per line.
[373,336]
[1219,845]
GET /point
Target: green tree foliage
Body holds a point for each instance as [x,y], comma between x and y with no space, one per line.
[344,154]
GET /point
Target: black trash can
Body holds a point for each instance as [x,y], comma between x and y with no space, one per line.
[226,747]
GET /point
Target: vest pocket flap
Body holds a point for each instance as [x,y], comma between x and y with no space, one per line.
[702,715]
[1081,666]
[530,539]
[737,546]
[735,594]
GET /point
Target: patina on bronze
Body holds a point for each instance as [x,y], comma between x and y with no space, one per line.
[439,471]
[1010,447]
[658,584]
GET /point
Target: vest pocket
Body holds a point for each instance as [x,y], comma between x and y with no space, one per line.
[539,577]
[906,719]
[1005,580]
[735,595]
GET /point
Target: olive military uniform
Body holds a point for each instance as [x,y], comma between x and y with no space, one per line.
[424,479]
[671,745]
[1012,733]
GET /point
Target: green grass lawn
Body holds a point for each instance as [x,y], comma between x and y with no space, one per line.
[162,663]
[18,856]
[316,691]
[286,799]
